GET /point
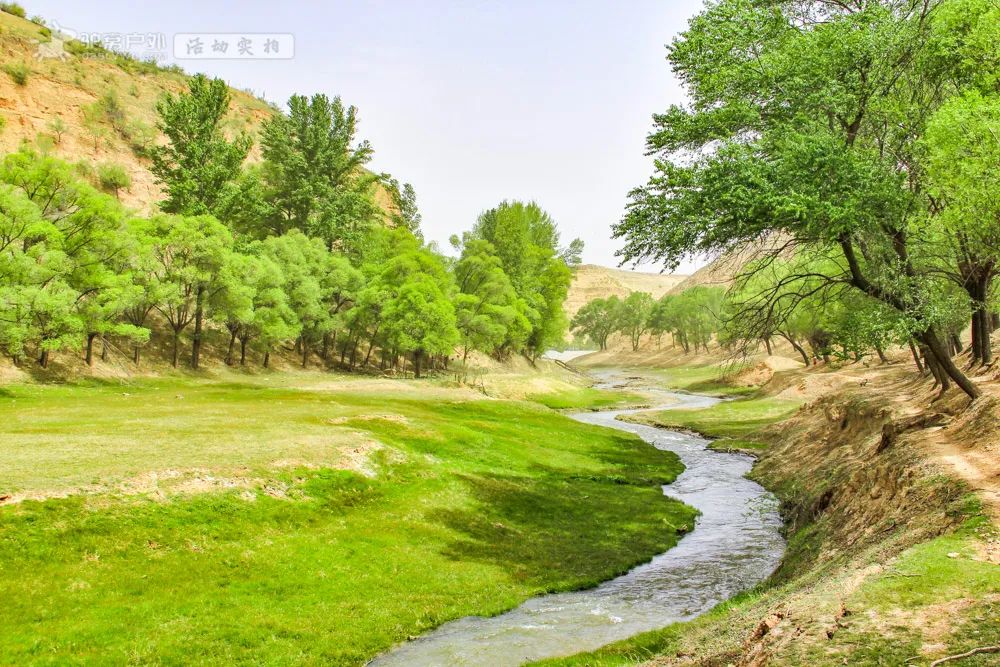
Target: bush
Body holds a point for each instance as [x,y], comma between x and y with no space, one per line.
[13,8]
[113,177]
[18,72]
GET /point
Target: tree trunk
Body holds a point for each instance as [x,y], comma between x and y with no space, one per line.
[935,368]
[267,358]
[416,363]
[232,346]
[135,355]
[43,359]
[916,357]
[305,353]
[243,351]
[196,342]
[104,348]
[177,344]
[325,350]
[881,354]
[950,370]
[90,348]
[770,352]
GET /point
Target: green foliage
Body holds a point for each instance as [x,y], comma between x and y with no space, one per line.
[58,127]
[18,72]
[526,242]
[113,177]
[314,173]
[598,319]
[404,200]
[809,132]
[13,8]
[198,165]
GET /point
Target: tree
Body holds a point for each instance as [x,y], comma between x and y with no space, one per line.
[190,253]
[421,320]
[58,127]
[486,304]
[198,164]
[404,200]
[526,241]
[963,144]
[113,177]
[598,319]
[633,319]
[314,173]
[804,121]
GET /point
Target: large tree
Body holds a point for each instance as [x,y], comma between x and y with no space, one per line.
[803,123]
[198,166]
[314,173]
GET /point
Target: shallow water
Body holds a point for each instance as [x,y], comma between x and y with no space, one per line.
[736,543]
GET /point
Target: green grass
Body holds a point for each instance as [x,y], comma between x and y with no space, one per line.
[733,423]
[589,399]
[711,379]
[476,506]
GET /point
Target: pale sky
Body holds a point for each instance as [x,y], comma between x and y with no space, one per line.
[471,101]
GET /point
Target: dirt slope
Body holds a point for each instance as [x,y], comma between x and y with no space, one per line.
[60,85]
[599,282]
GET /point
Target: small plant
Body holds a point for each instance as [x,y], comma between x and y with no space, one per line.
[44,143]
[3,124]
[113,177]
[19,72]
[140,137]
[110,107]
[13,8]
[58,127]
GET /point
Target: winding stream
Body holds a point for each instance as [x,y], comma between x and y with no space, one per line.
[736,543]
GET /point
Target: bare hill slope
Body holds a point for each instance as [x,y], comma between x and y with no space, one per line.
[63,77]
[598,282]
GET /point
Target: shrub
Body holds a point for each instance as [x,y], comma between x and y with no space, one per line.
[18,72]
[113,177]
[13,8]
[58,127]
[140,137]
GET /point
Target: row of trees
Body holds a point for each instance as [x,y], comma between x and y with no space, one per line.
[292,251]
[692,318]
[856,145]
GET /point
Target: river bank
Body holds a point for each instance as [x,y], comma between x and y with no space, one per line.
[892,556]
[735,544]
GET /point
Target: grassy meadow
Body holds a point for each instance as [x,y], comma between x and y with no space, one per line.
[284,520]
[733,424]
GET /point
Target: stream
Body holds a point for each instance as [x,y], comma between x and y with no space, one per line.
[736,543]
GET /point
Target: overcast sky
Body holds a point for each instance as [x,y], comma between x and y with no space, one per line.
[471,101]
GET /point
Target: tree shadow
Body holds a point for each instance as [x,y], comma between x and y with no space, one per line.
[557,532]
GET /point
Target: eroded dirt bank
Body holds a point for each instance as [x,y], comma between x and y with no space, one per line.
[890,504]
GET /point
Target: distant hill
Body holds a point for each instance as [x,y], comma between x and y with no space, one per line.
[65,76]
[598,282]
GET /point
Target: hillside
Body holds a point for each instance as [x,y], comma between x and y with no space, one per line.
[597,282]
[64,77]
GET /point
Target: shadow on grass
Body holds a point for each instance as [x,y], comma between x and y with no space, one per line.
[561,533]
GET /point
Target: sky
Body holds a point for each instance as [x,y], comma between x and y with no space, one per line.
[472,102]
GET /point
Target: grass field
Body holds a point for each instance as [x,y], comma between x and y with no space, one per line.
[732,424]
[588,398]
[251,544]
